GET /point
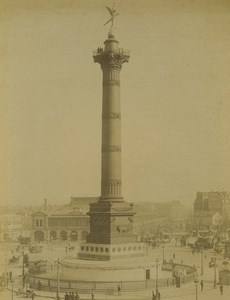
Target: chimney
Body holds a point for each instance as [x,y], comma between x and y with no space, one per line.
[45,204]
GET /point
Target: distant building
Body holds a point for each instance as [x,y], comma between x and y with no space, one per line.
[10,227]
[210,208]
[61,225]
[62,222]
[169,216]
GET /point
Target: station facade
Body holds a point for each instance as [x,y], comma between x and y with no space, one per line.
[59,226]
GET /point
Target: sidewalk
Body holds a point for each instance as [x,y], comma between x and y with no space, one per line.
[187,291]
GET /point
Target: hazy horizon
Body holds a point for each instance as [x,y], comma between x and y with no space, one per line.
[174,95]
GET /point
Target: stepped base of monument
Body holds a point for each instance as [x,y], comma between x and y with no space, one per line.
[111,251]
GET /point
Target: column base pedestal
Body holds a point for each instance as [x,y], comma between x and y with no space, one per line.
[111,251]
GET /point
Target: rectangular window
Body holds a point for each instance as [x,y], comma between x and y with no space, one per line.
[39,223]
[147,274]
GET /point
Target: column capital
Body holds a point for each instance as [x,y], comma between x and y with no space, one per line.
[111,60]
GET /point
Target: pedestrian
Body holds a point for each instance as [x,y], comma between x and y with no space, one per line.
[27,285]
[32,295]
[39,285]
[10,275]
[72,296]
[77,297]
[158,295]
[201,285]
[66,297]
[153,296]
[92,295]
[7,278]
[221,289]
[119,289]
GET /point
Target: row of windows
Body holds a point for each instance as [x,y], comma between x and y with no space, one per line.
[67,222]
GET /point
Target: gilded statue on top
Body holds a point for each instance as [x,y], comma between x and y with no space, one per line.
[113,14]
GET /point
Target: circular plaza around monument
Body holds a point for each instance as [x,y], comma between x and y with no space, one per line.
[133,273]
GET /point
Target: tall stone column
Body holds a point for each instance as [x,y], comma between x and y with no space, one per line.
[111,218]
[111,59]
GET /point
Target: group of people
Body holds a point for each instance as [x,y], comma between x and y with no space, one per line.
[99,50]
[75,296]
[156,296]
[7,277]
[72,296]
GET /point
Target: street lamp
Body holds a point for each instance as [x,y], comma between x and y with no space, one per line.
[12,289]
[196,282]
[163,253]
[214,280]
[202,262]
[58,292]
[23,268]
[5,279]
[147,248]
[157,261]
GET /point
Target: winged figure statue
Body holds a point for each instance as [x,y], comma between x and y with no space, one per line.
[113,13]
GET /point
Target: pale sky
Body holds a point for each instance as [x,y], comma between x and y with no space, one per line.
[175,95]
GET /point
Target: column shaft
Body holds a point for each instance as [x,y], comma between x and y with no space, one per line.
[111,177]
